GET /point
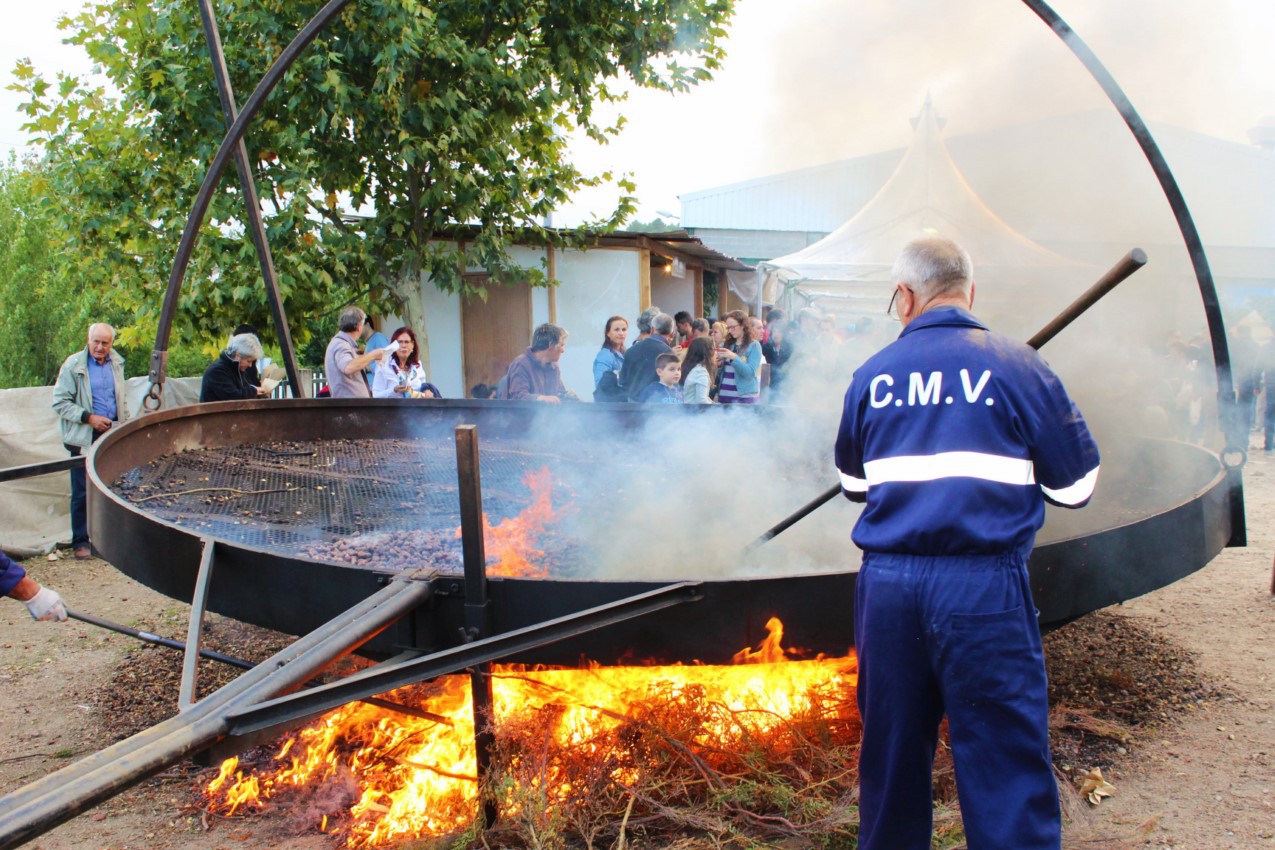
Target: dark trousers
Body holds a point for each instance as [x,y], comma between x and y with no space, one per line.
[1268,419]
[1247,398]
[955,636]
[79,499]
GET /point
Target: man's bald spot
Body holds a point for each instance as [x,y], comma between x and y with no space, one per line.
[101,326]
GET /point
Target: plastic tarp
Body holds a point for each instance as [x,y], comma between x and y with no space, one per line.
[925,196]
[35,513]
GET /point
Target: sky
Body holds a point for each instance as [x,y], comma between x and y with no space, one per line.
[811,81]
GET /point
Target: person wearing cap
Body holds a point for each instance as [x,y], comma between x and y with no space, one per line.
[42,603]
[954,438]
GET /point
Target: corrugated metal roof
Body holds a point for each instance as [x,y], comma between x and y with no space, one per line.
[819,198]
[683,244]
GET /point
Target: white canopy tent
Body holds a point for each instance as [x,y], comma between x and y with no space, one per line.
[925,196]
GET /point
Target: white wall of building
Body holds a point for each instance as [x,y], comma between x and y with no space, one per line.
[595,285]
[671,293]
[442,328]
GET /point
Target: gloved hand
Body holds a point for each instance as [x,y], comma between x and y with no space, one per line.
[388,351]
[46,605]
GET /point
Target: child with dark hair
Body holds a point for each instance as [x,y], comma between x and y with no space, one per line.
[665,389]
[698,371]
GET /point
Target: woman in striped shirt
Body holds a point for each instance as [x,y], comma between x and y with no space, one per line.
[740,361]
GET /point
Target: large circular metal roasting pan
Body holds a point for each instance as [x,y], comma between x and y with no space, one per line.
[1162,511]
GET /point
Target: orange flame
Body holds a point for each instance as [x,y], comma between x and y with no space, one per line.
[417,777]
[513,542]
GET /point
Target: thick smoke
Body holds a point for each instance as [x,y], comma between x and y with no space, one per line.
[683,496]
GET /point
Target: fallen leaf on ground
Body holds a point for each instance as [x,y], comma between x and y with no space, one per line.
[1093,787]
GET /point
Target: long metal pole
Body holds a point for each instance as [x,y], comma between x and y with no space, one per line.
[56,798]
[1127,265]
[159,357]
[477,607]
[211,655]
[31,470]
[380,680]
[47,802]
[252,203]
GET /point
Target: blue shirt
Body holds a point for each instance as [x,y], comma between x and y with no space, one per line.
[102,385]
[607,360]
[658,393]
[955,437]
[375,341]
[10,574]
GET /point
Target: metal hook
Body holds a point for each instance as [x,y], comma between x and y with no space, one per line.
[154,399]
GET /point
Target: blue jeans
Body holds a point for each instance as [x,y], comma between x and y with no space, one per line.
[957,636]
[79,500]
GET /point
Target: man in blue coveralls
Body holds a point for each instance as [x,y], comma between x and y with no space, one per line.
[954,437]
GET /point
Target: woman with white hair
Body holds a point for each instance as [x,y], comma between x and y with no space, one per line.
[225,379]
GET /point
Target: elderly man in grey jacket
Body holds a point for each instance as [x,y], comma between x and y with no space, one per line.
[89,398]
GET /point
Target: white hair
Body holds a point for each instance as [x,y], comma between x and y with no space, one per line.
[934,266]
[244,347]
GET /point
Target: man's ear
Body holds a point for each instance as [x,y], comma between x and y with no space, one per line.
[972,285]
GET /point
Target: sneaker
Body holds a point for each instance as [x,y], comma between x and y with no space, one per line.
[83,553]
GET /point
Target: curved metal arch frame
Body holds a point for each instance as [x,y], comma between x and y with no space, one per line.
[1227,405]
[1199,262]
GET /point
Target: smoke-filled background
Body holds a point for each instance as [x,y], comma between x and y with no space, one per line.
[811,81]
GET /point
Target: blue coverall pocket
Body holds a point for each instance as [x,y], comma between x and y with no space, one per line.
[988,656]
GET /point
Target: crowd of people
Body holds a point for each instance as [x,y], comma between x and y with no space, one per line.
[735,359]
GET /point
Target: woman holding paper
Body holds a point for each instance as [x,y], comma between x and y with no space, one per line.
[226,379]
[400,374]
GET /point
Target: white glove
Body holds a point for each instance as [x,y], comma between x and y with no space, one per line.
[46,605]
[388,351]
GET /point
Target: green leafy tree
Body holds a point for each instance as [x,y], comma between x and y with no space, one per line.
[44,311]
[655,225]
[411,138]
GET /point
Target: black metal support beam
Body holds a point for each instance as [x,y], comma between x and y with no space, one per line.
[190,233]
[1228,407]
[477,606]
[31,470]
[318,700]
[252,203]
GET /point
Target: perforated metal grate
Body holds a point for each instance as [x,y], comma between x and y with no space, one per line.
[378,503]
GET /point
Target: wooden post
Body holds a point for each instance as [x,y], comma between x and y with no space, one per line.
[553,290]
[644,278]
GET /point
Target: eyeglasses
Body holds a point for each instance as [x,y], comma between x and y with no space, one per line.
[889,309]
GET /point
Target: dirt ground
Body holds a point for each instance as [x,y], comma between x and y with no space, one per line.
[1193,768]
